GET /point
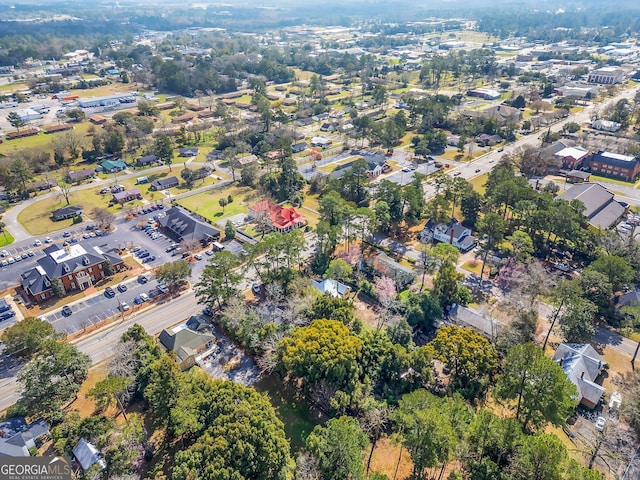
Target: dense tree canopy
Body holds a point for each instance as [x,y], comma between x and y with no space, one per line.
[324,351]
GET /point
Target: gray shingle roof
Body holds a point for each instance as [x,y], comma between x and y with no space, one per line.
[18,436]
[600,207]
[582,364]
[183,225]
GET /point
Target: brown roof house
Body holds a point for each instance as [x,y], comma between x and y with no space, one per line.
[190,341]
[583,365]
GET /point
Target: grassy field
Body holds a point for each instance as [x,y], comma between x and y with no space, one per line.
[478,183]
[207,203]
[598,178]
[6,238]
[36,218]
[41,141]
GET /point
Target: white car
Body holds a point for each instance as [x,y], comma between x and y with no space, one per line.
[37,243]
[144,297]
[4,253]
[600,423]
[255,287]
[124,306]
[48,240]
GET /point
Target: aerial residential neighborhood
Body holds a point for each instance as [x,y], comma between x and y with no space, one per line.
[361,241]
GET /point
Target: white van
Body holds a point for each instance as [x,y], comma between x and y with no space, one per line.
[141,180]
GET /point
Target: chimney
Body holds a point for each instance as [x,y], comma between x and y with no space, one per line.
[582,375]
[560,362]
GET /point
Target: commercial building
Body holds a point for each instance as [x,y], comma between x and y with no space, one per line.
[625,167]
[601,210]
[181,225]
[77,267]
[606,76]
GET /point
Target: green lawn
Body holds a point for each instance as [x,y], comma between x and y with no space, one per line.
[207,203]
[36,218]
[598,178]
[478,183]
[6,238]
[41,140]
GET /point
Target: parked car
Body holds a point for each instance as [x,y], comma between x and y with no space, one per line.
[137,300]
[600,423]
[66,310]
[144,297]
[66,234]
[109,292]
[48,240]
[4,253]
[11,261]
[162,288]
[122,287]
[24,256]
[124,306]
[198,256]
[37,243]
[207,311]
[143,279]
[7,314]
[30,253]
[255,288]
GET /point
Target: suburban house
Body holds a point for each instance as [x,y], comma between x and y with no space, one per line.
[76,266]
[321,142]
[87,455]
[582,364]
[501,114]
[164,183]
[180,225]
[299,147]
[188,152]
[246,160]
[601,210]
[40,185]
[572,158]
[204,171]
[278,218]
[331,287]
[486,140]
[606,125]
[189,341]
[377,165]
[63,213]
[606,75]
[17,436]
[383,265]
[113,166]
[630,298]
[626,167]
[470,318]
[146,160]
[79,175]
[453,232]
[127,196]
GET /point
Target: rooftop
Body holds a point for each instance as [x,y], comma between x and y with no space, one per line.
[68,253]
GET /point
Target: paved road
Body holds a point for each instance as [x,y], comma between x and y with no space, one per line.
[99,346]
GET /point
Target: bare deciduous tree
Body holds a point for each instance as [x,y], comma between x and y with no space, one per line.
[103,217]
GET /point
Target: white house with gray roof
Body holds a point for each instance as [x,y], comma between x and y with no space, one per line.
[582,364]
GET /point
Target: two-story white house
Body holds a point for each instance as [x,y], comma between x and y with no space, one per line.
[453,232]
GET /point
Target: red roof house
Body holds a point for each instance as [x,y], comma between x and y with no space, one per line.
[281,219]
